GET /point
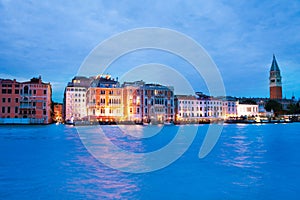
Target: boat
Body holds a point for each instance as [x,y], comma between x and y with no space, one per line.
[168,123]
[264,121]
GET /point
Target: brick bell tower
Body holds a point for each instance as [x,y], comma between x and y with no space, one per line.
[275,81]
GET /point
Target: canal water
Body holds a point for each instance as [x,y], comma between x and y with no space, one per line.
[248,162]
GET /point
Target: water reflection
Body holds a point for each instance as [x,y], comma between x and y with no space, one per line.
[244,152]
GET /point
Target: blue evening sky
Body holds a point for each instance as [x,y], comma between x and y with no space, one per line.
[52,38]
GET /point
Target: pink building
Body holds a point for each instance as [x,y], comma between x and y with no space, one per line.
[25,103]
[9,98]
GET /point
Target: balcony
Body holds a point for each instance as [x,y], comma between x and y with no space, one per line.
[26,106]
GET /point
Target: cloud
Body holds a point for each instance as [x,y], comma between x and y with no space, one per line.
[52,38]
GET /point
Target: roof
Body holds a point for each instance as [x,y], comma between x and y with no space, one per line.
[274,66]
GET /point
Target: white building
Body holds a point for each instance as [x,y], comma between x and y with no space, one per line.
[247,110]
[191,108]
[229,107]
[75,98]
[75,103]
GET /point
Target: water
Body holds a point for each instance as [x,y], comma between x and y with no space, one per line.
[248,162]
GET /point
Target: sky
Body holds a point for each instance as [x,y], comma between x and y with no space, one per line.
[53,38]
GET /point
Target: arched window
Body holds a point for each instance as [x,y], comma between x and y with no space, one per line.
[26,89]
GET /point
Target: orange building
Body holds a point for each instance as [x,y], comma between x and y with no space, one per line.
[57,112]
[104,100]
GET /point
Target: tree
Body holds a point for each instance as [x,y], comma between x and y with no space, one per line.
[294,109]
[273,105]
[248,101]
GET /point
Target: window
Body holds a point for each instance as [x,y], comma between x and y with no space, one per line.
[102,92]
[16,109]
[8,100]
[45,91]
[3,109]
[34,91]
[8,109]
[16,91]
[3,91]
[26,89]
[9,91]
[16,100]
[3,100]
[44,111]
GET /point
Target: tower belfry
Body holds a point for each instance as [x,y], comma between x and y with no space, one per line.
[275,81]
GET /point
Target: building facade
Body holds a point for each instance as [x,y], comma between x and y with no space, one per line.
[75,98]
[247,110]
[158,103]
[275,81]
[26,102]
[229,107]
[191,108]
[57,112]
[104,100]
[10,99]
[133,99]
[36,101]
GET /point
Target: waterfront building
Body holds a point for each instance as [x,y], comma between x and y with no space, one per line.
[75,98]
[191,108]
[133,100]
[36,100]
[229,107]
[25,102]
[57,112]
[275,81]
[188,108]
[10,100]
[247,110]
[104,99]
[214,107]
[158,103]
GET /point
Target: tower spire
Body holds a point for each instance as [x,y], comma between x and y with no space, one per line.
[275,80]
[274,66]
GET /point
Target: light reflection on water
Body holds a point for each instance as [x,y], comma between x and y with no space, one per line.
[248,162]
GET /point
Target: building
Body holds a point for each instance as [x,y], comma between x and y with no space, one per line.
[247,110]
[36,100]
[10,99]
[25,102]
[104,99]
[57,112]
[133,100]
[229,107]
[191,108]
[75,103]
[187,108]
[158,103]
[275,81]
[75,98]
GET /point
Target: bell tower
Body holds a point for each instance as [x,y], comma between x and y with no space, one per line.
[275,81]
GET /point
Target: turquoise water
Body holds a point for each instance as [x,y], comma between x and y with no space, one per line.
[248,162]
